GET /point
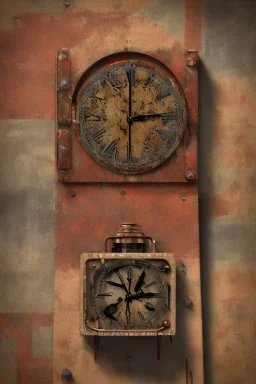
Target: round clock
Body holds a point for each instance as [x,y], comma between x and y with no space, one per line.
[131,114]
[129,294]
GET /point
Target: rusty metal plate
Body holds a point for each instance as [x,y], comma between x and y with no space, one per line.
[108,308]
[111,144]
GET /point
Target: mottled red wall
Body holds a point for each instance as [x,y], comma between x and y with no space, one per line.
[30,34]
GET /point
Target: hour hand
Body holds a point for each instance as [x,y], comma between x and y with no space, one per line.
[140,281]
[163,116]
[115,284]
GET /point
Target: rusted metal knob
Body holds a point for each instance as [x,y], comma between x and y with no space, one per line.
[166,323]
[66,375]
[190,175]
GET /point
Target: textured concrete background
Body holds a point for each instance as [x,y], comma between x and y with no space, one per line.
[30,34]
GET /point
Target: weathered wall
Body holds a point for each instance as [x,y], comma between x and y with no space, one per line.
[31,32]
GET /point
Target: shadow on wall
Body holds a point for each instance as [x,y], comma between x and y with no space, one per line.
[136,357]
[207,96]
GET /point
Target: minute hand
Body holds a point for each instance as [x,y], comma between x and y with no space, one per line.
[163,116]
[144,295]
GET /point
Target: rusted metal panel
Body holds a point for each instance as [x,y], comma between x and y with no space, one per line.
[168,212]
[174,169]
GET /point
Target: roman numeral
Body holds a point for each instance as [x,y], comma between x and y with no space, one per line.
[91,117]
[165,135]
[149,149]
[110,150]
[162,97]
[97,136]
[102,295]
[141,315]
[150,307]
[149,284]
[115,86]
[97,97]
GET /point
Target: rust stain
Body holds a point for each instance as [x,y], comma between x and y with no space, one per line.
[31,71]
[193,21]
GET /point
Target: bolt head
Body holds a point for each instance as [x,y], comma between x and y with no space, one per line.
[191,60]
[72,193]
[66,374]
[166,268]
[166,323]
[188,302]
[190,175]
[64,82]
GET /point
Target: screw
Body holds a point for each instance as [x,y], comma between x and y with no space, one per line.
[188,302]
[192,60]
[190,175]
[62,56]
[166,268]
[72,193]
[64,82]
[66,375]
[122,193]
[166,323]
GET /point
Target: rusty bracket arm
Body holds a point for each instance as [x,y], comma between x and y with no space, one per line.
[64,114]
[191,92]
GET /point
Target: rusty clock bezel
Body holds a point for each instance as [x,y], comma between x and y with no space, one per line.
[170,316]
[142,61]
[75,165]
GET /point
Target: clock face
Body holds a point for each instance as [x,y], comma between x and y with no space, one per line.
[129,294]
[131,116]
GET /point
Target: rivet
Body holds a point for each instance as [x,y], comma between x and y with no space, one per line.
[166,323]
[166,268]
[64,82]
[122,193]
[190,175]
[66,375]
[188,302]
[192,60]
[72,193]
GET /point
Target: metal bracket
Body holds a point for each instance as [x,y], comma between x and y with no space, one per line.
[64,117]
[191,92]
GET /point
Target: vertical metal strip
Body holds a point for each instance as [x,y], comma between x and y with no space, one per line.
[64,117]
[193,25]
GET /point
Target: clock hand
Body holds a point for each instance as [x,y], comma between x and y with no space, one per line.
[129,278]
[115,284]
[143,295]
[140,281]
[111,309]
[163,116]
[131,83]
[122,281]
[127,311]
